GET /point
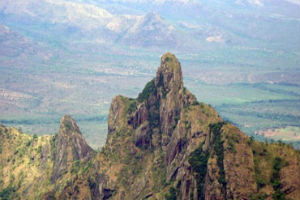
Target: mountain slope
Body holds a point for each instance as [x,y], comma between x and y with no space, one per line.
[26,164]
[162,145]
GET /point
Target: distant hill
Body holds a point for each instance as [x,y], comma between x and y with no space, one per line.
[162,145]
[19,47]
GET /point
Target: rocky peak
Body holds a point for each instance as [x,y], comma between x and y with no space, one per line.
[171,94]
[169,73]
[69,146]
[68,126]
[156,111]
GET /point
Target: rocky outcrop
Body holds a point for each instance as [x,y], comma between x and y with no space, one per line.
[162,145]
[69,147]
[170,93]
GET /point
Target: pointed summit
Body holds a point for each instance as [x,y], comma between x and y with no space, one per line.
[69,146]
[169,73]
[68,126]
[171,60]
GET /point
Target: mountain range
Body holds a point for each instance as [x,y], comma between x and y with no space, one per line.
[78,20]
[164,144]
[183,23]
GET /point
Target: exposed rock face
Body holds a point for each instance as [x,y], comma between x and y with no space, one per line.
[116,113]
[166,145]
[169,79]
[170,93]
[167,120]
[69,146]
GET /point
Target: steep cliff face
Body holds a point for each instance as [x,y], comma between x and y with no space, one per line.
[162,145]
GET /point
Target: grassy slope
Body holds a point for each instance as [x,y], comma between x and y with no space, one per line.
[26,163]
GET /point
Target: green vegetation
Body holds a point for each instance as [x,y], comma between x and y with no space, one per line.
[195,103]
[8,193]
[171,195]
[133,166]
[260,153]
[278,163]
[149,89]
[53,144]
[171,60]
[154,115]
[198,161]
[168,59]
[39,149]
[268,162]
[218,148]
[131,107]
[252,107]
[35,137]
[259,196]
[29,142]
[232,140]
[75,167]
[260,181]
[22,151]
[264,115]
[84,167]
[159,172]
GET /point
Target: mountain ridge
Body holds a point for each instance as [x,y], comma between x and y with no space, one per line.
[162,145]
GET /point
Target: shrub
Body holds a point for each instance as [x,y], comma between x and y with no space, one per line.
[28,143]
[8,192]
[231,145]
[35,137]
[261,182]
[259,196]
[172,194]
[22,152]
[39,149]
[250,140]
[195,103]
[168,59]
